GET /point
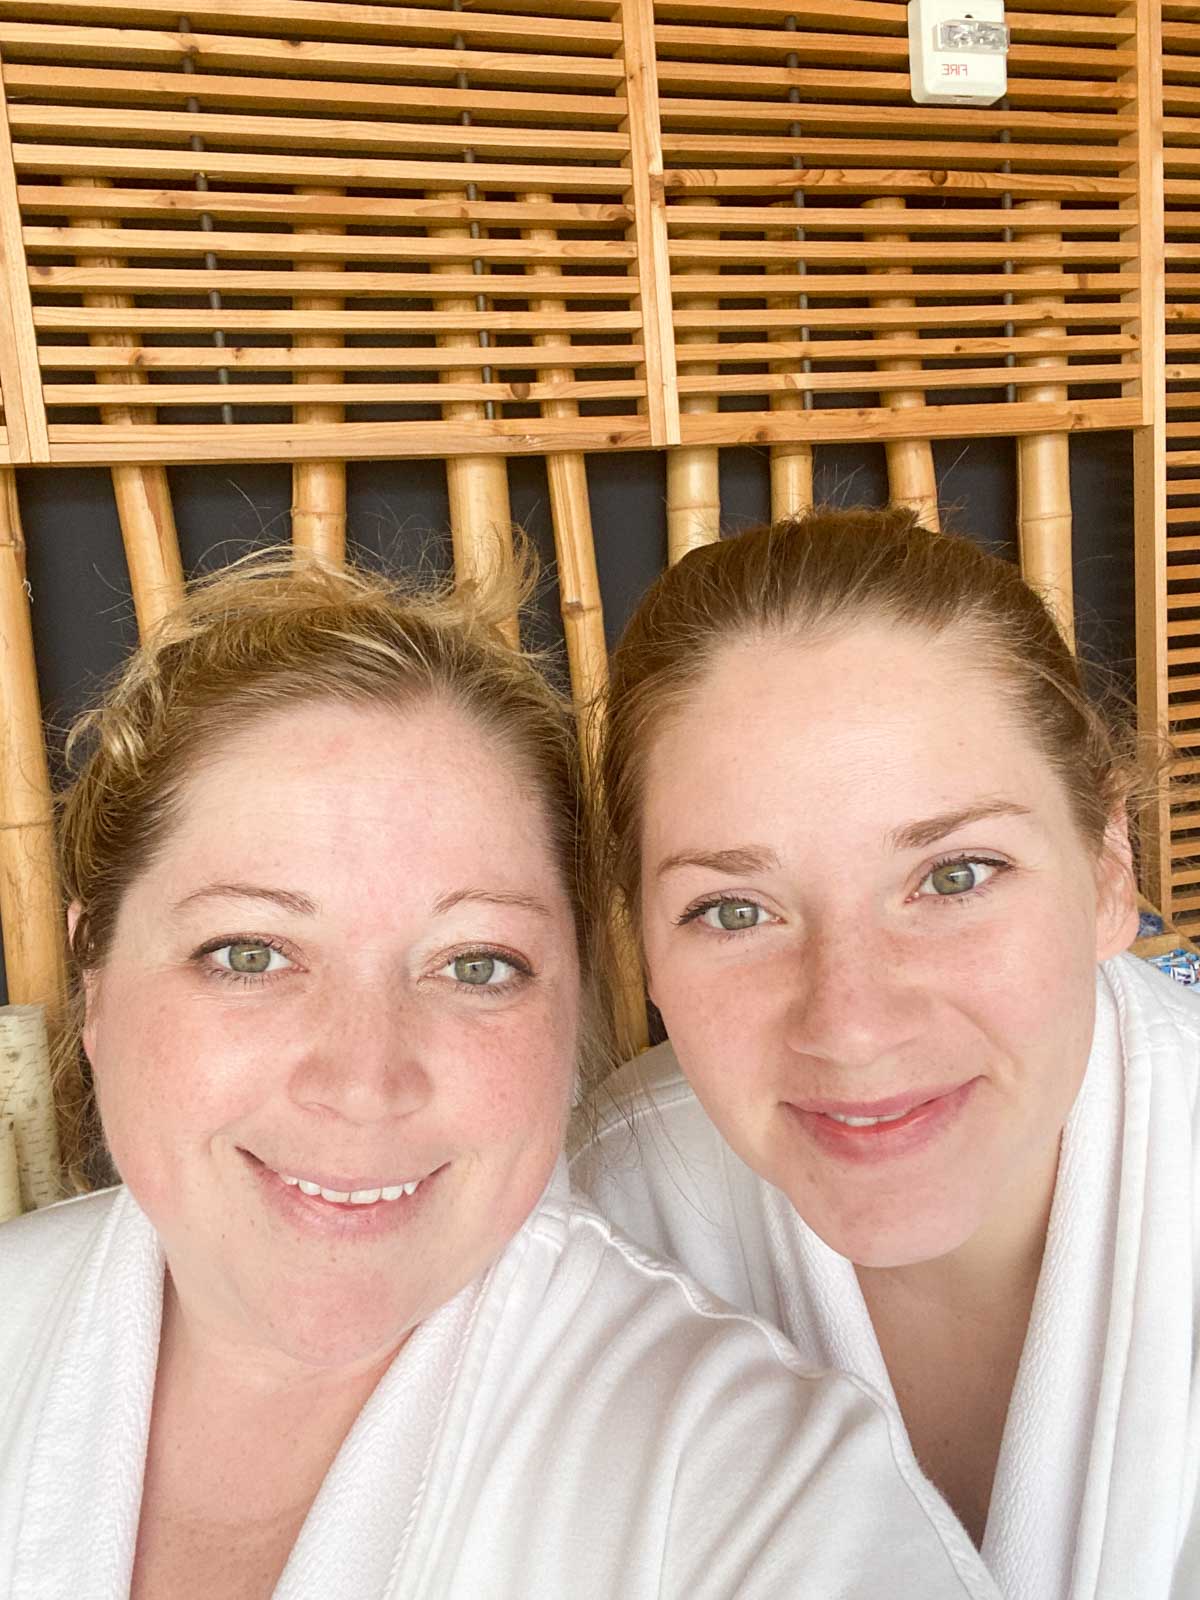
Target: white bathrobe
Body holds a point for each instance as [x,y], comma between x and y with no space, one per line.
[582,1422]
[1095,1495]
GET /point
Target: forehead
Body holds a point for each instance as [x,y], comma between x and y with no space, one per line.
[372,789]
[866,721]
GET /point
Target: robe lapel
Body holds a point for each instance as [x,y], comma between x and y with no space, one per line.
[78,1526]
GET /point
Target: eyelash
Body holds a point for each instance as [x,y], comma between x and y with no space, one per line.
[255,980]
[244,980]
[964,860]
[523,972]
[695,912]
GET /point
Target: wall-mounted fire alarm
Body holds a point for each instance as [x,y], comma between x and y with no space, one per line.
[957,52]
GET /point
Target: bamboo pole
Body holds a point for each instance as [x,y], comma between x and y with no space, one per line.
[583,629]
[142,492]
[1044,467]
[911,479]
[26,1097]
[318,487]
[480,512]
[693,471]
[30,908]
[10,1177]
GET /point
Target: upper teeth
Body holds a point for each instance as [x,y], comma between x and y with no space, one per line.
[865,1122]
[354,1197]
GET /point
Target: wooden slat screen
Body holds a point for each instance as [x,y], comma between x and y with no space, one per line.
[1181,105]
[507,229]
[423,217]
[898,265]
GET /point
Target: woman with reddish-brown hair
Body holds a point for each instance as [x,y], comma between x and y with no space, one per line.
[916,1107]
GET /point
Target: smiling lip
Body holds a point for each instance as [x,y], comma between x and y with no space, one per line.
[912,1122]
[310,1211]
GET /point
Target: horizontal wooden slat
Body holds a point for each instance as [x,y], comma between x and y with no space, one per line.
[117,125]
[353,285]
[917,181]
[927,422]
[977,286]
[423,358]
[259,394]
[302,209]
[302,57]
[100,86]
[355,441]
[344,247]
[225,165]
[912,252]
[332,19]
[89,319]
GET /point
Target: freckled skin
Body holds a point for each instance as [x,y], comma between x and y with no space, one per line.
[360,1054]
[860,982]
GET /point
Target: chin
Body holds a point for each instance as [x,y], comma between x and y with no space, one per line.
[327,1342]
[870,1242]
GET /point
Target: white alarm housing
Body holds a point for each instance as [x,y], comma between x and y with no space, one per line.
[957,52]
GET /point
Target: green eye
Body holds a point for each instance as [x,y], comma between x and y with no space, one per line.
[733,916]
[249,957]
[959,877]
[477,970]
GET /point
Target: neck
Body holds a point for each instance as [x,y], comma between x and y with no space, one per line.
[244,1376]
[993,1272]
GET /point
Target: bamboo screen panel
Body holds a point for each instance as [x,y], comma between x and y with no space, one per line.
[1181,97]
[424,219]
[898,268]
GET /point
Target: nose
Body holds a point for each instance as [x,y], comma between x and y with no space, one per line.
[852,1000]
[367,1060]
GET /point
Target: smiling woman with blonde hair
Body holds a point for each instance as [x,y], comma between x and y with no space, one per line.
[342,1330]
[917,1108]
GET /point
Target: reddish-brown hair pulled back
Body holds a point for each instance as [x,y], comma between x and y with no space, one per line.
[832,570]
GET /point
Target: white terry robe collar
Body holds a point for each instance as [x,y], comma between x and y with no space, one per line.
[91,1402]
[1096,1469]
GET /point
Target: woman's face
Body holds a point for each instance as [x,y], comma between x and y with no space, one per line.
[865,897]
[350,969]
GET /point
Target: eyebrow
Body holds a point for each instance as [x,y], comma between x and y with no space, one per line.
[743,860]
[289,899]
[919,835]
[492,897]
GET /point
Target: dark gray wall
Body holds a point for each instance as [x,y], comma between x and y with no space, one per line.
[398,517]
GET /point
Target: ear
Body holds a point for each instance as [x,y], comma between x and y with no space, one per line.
[87,977]
[1116,890]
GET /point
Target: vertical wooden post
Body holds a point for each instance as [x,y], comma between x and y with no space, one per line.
[792,463]
[1150,489]
[30,909]
[1044,464]
[647,188]
[911,477]
[142,493]
[318,487]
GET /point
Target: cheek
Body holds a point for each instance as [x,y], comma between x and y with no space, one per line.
[518,1089]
